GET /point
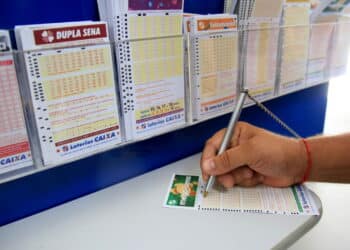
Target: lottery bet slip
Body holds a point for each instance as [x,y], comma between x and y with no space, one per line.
[213,52]
[70,74]
[186,192]
[14,143]
[150,55]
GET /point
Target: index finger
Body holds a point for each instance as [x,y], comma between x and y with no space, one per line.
[212,145]
[243,131]
[211,149]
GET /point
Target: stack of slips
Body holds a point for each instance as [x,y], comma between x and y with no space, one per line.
[150,55]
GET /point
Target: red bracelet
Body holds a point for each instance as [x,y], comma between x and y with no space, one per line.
[309,161]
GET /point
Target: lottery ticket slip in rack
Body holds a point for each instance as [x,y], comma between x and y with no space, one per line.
[14,142]
[261,48]
[69,69]
[150,55]
[321,34]
[294,40]
[213,53]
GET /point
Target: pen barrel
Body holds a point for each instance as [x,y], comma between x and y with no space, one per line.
[229,132]
[233,121]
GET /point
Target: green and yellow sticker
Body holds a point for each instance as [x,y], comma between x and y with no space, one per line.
[183,191]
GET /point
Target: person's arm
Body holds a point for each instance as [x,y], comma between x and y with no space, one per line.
[331,158]
[257,156]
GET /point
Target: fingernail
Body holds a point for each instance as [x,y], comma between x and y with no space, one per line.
[209,165]
[261,178]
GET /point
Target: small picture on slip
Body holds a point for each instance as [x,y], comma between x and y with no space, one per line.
[182,191]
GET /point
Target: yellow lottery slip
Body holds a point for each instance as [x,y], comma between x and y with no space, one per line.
[260,20]
[150,54]
[213,54]
[14,142]
[134,19]
[154,25]
[153,95]
[72,89]
[186,192]
[261,60]
[295,46]
[320,41]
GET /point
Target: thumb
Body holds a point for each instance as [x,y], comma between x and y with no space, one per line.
[228,160]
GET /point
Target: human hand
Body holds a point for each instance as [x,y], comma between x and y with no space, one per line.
[254,156]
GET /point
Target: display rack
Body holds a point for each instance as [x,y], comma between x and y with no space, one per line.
[325,67]
[27,192]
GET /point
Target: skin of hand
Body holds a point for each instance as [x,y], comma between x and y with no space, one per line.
[254,156]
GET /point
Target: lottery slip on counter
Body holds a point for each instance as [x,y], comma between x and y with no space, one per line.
[130,215]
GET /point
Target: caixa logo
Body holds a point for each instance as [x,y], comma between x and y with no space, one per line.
[12,159]
[65,148]
[105,137]
[88,143]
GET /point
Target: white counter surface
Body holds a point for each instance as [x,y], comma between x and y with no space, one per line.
[130,216]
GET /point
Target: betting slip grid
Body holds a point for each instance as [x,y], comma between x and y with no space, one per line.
[14,143]
[218,68]
[264,200]
[186,192]
[152,85]
[73,92]
[320,42]
[214,66]
[294,44]
[11,107]
[159,93]
[63,123]
[261,47]
[261,60]
[150,54]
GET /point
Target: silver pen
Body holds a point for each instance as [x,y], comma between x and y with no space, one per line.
[228,135]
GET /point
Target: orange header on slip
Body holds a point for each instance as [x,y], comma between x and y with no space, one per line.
[216,24]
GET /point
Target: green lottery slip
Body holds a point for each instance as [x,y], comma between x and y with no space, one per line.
[186,192]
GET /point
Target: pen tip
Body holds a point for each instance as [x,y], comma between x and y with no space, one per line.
[205,194]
